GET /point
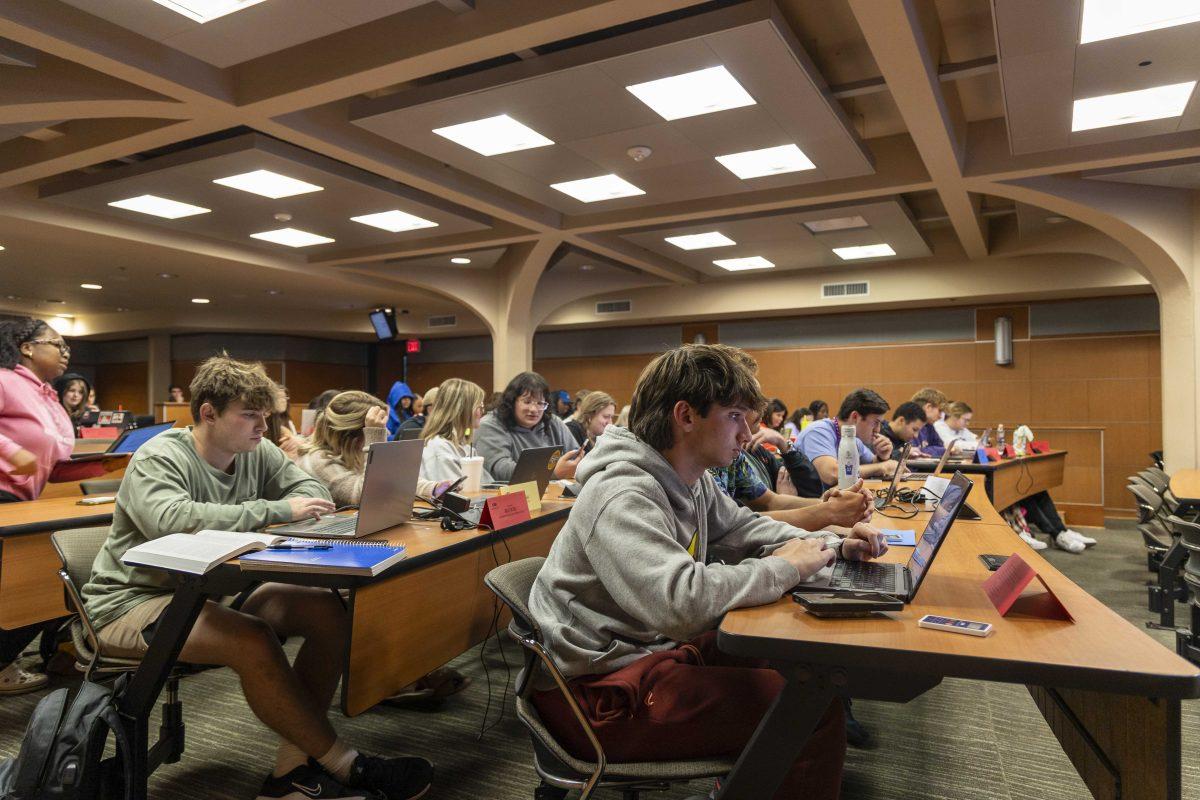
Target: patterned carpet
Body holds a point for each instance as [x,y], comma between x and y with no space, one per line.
[962,740]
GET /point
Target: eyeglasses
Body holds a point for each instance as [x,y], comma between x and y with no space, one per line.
[542,405]
[63,347]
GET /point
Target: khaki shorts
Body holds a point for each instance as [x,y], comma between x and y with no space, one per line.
[123,637]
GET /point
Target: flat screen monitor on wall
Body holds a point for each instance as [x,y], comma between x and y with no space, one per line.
[383,320]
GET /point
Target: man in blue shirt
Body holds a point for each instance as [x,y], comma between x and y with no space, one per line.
[928,441]
[864,409]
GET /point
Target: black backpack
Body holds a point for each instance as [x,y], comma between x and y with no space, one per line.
[61,754]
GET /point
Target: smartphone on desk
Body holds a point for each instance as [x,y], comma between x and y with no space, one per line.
[97,500]
[846,604]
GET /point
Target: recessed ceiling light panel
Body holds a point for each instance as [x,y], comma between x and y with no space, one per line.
[701,241]
[739,264]
[602,187]
[265,183]
[92,286]
[768,161]
[206,10]
[159,207]
[494,135]
[460,260]
[200,300]
[693,93]
[394,221]
[864,251]
[292,237]
[1108,19]
[836,224]
[1124,108]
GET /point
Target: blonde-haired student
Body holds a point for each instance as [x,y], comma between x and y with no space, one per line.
[449,431]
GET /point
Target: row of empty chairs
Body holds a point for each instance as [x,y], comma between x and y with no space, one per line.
[1170,530]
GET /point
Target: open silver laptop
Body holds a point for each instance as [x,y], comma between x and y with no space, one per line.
[900,580]
[897,476]
[389,488]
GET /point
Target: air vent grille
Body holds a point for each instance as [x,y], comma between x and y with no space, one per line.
[614,307]
[855,289]
[447,321]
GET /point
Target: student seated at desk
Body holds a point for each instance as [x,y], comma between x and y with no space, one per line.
[593,415]
[175,394]
[521,421]
[928,441]
[450,429]
[907,422]
[221,474]
[628,602]
[953,429]
[422,408]
[280,430]
[72,389]
[864,409]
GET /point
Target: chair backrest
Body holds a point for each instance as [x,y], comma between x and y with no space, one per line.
[1188,532]
[78,548]
[1145,496]
[512,583]
[100,486]
[1156,478]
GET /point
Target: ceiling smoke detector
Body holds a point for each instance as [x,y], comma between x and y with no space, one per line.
[639,152]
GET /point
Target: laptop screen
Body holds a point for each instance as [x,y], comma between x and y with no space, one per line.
[937,527]
[131,440]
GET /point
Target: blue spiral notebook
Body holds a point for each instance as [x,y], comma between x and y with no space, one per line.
[362,557]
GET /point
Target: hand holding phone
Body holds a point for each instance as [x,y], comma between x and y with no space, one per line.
[446,486]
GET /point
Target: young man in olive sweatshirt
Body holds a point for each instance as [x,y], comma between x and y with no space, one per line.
[628,602]
[220,474]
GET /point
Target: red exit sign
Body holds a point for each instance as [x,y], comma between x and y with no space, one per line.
[412,346]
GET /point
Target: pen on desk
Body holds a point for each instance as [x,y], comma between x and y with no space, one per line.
[300,547]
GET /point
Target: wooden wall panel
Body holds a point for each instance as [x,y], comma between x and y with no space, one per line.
[307,379]
[423,376]
[123,385]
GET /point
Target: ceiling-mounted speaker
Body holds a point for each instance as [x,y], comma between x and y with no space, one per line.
[1004,350]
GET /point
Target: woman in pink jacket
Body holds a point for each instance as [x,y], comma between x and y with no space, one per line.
[36,436]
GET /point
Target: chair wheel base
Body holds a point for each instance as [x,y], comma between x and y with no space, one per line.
[548,792]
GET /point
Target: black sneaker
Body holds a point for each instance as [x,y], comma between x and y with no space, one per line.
[308,782]
[404,778]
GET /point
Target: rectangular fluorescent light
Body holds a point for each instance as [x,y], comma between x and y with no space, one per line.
[206,10]
[394,221]
[739,264]
[768,161]
[159,206]
[701,241]
[836,224]
[864,251]
[692,93]
[292,237]
[494,135]
[1108,19]
[268,184]
[602,187]
[1124,108]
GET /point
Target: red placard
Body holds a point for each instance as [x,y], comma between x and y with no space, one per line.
[504,511]
[1039,446]
[1006,584]
[412,345]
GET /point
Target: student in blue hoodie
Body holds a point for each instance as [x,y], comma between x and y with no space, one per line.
[400,407]
[628,600]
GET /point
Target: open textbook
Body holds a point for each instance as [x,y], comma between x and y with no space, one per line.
[197,553]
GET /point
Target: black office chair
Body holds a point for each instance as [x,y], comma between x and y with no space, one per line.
[1156,535]
[1170,587]
[558,769]
[77,549]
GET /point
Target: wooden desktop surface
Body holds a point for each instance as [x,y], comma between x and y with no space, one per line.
[1011,479]
[1185,485]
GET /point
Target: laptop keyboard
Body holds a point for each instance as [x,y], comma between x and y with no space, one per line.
[333,526]
[864,575]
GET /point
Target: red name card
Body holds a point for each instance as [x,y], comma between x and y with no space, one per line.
[1006,584]
[504,511]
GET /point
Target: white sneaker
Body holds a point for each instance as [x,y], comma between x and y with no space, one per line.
[1071,544]
[14,680]
[1032,542]
[1087,540]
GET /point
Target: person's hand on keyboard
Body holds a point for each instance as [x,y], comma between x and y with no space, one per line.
[864,543]
[807,555]
[309,508]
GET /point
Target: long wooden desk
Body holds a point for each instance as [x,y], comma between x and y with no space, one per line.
[1109,692]
[1185,485]
[30,591]
[1011,479]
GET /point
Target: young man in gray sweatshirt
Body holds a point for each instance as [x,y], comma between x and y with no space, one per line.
[220,474]
[628,601]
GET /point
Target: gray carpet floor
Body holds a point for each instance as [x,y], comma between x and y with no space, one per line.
[964,739]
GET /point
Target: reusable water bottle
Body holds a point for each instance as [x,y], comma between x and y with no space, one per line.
[1000,438]
[848,457]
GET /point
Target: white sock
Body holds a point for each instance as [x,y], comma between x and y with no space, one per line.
[338,760]
[287,758]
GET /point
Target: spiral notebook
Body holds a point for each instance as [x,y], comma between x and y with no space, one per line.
[362,557]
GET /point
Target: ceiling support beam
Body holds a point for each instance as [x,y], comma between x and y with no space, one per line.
[896,37]
[952,71]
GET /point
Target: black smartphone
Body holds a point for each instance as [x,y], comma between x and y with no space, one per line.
[451,488]
[846,604]
[992,561]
